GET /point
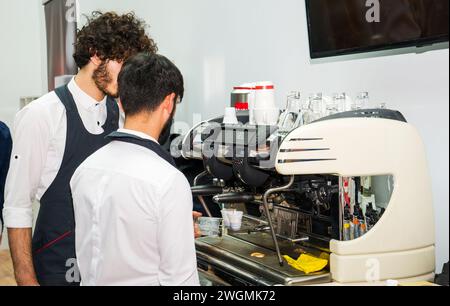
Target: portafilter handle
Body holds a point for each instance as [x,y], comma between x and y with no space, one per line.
[206,190]
[230,198]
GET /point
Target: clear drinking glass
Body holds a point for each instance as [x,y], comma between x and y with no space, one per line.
[340,101]
[292,112]
[294,103]
[361,102]
[306,112]
[337,105]
[317,106]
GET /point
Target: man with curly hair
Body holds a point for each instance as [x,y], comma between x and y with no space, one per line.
[53,136]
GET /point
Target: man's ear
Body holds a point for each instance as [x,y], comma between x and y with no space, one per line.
[169,103]
[96,60]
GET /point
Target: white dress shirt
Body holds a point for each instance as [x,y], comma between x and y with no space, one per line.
[38,148]
[133,216]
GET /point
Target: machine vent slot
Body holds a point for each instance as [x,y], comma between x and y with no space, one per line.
[291,161]
[303,150]
[305,139]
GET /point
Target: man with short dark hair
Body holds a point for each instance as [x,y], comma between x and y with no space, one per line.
[53,136]
[133,208]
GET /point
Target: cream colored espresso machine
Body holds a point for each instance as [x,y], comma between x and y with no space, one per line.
[352,188]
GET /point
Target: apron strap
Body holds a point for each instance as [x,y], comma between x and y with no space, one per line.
[146,143]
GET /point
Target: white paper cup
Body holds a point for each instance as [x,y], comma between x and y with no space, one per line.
[266,116]
[264,99]
[259,115]
[230,116]
[264,95]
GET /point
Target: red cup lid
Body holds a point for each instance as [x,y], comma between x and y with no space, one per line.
[266,87]
[242,88]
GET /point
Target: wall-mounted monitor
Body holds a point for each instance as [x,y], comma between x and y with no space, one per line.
[340,27]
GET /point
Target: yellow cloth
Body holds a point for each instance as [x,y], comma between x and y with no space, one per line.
[307,263]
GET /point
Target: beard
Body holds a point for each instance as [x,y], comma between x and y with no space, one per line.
[102,79]
[165,133]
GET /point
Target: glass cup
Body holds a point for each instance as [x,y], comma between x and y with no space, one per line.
[226,216]
[339,102]
[307,115]
[335,105]
[236,220]
[294,103]
[317,106]
[209,226]
[361,102]
[289,116]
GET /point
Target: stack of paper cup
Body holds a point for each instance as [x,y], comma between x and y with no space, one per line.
[265,111]
[265,95]
[266,116]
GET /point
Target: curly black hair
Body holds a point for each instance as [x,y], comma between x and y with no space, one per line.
[112,37]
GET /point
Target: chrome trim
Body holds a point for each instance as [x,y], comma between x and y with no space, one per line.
[235,271]
[200,198]
[294,240]
[269,218]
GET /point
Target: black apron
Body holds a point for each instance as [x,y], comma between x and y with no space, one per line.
[54,236]
[146,143]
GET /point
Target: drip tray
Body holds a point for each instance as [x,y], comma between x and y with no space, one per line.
[264,240]
[234,256]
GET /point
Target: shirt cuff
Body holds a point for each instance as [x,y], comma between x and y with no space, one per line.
[18,217]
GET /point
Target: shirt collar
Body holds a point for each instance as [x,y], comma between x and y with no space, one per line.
[83,99]
[138,134]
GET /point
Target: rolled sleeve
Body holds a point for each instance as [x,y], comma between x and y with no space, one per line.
[30,146]
[18,217]
[5,155]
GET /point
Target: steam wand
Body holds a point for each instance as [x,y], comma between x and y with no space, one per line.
[269,218]
[200,198]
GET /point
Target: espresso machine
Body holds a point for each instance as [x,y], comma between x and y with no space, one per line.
[352,188]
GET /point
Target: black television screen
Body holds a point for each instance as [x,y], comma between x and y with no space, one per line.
[338,27]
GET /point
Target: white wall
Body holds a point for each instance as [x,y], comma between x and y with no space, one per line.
[22,58]
[221,43]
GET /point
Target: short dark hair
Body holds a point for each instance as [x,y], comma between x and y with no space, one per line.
[146,80]
[112,37]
